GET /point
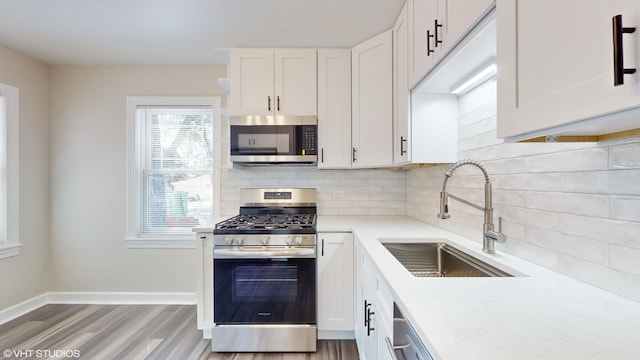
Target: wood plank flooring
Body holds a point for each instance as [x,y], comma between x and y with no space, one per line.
[130,332]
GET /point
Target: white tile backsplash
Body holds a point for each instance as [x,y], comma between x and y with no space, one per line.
[571,207]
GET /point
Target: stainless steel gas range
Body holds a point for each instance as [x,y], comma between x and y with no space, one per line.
[265,274]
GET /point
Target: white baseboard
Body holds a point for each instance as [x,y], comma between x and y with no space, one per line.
[336,335]
[115,298]
[22,308]
[88,297]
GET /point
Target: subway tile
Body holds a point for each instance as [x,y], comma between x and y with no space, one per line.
[569,203]
[625,259]
[577,247]
[564,161]
[612,231]
[625,208]
[625,156]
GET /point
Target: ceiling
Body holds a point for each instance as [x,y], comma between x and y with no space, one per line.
[107,32]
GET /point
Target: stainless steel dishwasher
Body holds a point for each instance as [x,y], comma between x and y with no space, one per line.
[406,344]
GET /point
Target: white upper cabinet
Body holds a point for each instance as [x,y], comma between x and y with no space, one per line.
[401,119]
[273,82]
[556,68]
[372,101]
[334,108]
[436,26]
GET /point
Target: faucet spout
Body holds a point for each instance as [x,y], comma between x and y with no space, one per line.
[490,235]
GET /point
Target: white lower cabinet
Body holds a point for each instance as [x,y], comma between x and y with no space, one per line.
[335,285]
[204,282]
[374,309]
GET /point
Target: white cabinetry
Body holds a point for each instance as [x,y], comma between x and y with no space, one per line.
[372,101]
[204,282]
[556,68]
[374,309]
[334,108]
[401,118]
[335,285]
[425,128]
[273,82]
[436,26]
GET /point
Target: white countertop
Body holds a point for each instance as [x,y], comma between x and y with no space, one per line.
[543,315]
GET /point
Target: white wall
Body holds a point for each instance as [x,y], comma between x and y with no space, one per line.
[88,178]
[25,276]
[574,208]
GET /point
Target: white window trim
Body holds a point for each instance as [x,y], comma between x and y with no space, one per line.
[12,245]
[133,239]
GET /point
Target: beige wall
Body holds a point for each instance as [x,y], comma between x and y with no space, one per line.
[88,178]
[25,276]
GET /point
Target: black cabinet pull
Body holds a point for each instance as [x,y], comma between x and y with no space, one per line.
[366,311]
[322,249]
[402,141]
[354,155]
[435,30]
[278,103]
[429,36]
[618,52]
[322,155]
[369,327]
[269,103]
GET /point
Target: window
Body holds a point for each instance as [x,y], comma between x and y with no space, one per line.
[173,167]
[9,214]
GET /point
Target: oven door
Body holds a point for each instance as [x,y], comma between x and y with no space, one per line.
[265,291]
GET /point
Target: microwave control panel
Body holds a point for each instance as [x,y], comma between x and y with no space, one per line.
[310,139]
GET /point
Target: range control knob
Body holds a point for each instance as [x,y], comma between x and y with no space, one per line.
[264,240]
[287,240]
[228,240]
[239,241]
[299,240]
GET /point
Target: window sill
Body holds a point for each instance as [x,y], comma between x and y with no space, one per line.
[159,242]
[9,251]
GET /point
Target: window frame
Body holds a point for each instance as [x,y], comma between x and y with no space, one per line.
[11,245]
[133,238]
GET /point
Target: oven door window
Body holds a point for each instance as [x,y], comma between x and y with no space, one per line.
[264,291]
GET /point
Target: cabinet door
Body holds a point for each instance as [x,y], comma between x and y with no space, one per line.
[295,82]
[422,16]
[334,108]
[458,17]
[204,277]
[556,63]
[251,78]
[372,122]
[401,119]
[335,282]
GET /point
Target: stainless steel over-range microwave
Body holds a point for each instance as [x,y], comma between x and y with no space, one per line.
[274,139]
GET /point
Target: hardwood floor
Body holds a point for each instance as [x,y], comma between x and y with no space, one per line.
[129,332]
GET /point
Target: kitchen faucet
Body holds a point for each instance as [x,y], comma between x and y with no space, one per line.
[490,235]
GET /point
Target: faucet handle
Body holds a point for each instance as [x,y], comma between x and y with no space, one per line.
[496,236]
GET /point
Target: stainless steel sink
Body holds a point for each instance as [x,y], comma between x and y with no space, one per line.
[440,260]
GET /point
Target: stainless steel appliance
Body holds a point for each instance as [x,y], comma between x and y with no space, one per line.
[274,139]
[265,274]
[406,344]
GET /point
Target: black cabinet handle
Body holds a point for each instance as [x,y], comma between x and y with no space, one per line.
[322,249]
[278,103]
[366,311]
[429,36]
[435,30]
[354,155]
[402,141]
[322,155]
[269,103]
[369,328]
[618,52]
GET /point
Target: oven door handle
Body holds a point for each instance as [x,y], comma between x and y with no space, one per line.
[264,254]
